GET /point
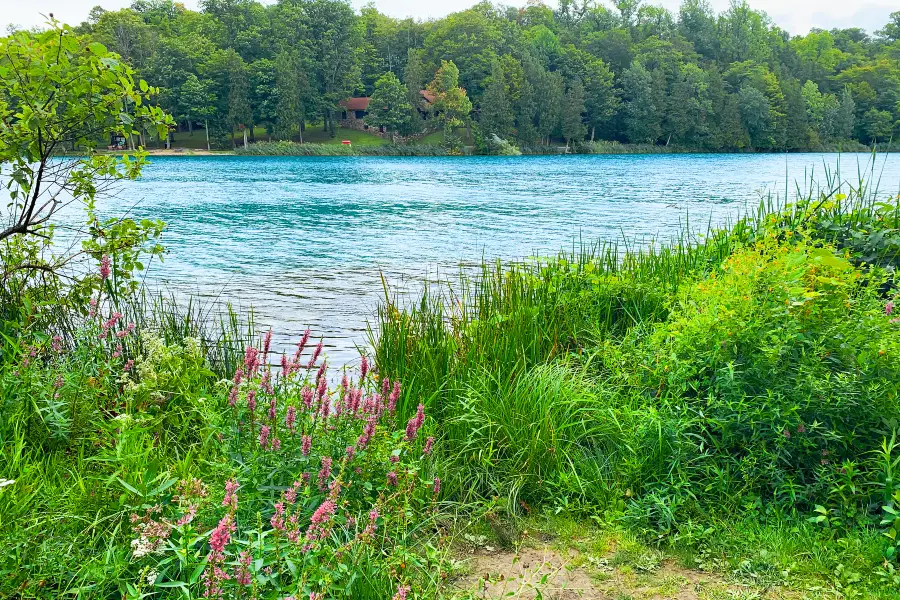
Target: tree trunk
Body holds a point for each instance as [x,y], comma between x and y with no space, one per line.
[190,128]
[233,144]
[206,128]
[143,143]
[302,127]
[592,133]
[168,141]
[245,138]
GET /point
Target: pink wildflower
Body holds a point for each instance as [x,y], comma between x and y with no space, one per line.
[323,385]
[350,452]
[320,520]
[372,525]
[251,400]
[392,399]
[392,479]
[324,473]
[307,395]
[367,433]
[242,573]
[290,418]
[277,519]
[437,486]
[129,364]
[305,445]
[429,445]
[315,356]
[105,269]
[231,488]
[889,307]
[220,537]
[414,424]
[273,409]
[264,437]
[363,368]
[401,592]
[394,458]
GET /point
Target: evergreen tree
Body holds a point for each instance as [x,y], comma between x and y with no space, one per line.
[573,127]
[642,118]
[239,112]
[292,88]
[496,115]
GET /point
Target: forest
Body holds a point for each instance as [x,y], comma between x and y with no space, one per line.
[628,72]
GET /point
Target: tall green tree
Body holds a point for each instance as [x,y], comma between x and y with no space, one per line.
[389,106]
[197,103]
[292,88]
[450,101]
[642,116]
[496,116]
[572,114]
[240,114]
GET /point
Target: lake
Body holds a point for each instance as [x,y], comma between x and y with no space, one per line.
[304,240]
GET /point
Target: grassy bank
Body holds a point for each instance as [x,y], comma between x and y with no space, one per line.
[740,385]
[722,409]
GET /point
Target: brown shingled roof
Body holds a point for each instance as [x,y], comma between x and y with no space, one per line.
[429,97]
[355,103]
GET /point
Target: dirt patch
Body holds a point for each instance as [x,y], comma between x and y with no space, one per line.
[542,572]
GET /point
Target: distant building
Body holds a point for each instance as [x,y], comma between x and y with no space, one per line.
[354,110]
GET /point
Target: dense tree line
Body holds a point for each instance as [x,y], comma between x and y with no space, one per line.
[629,72]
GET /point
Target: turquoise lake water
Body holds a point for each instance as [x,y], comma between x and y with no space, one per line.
[304,240]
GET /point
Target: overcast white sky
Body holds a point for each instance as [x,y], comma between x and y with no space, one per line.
[797,16]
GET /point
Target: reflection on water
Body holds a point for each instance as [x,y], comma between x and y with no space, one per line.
[303,240]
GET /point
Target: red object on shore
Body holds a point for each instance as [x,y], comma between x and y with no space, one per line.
[345,142]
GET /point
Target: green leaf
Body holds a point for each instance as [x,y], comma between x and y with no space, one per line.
[97,48]
[143,85]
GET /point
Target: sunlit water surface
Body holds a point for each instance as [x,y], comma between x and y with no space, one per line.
[305,240]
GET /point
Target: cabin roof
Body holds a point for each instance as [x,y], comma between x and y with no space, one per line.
[355,103]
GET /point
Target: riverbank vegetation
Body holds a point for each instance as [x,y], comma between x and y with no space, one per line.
[720,406]
[532,75]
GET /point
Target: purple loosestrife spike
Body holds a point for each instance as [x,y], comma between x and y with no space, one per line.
[315,356]
[231,488]
[373,523]
[306,445]
[345,385]
[251,400]
[267,343]
[285,366]
[105,269]
[350,452]
[363,369]
[320,374]
[273,409]
[385,387]
[889,307]
[429,444]
[307,395]
[324,473]
[323,386]
[290,419]
[414,424]
[264,437]
[392,399]
[265,385]
[367,433]
[437,486]
[325,409]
